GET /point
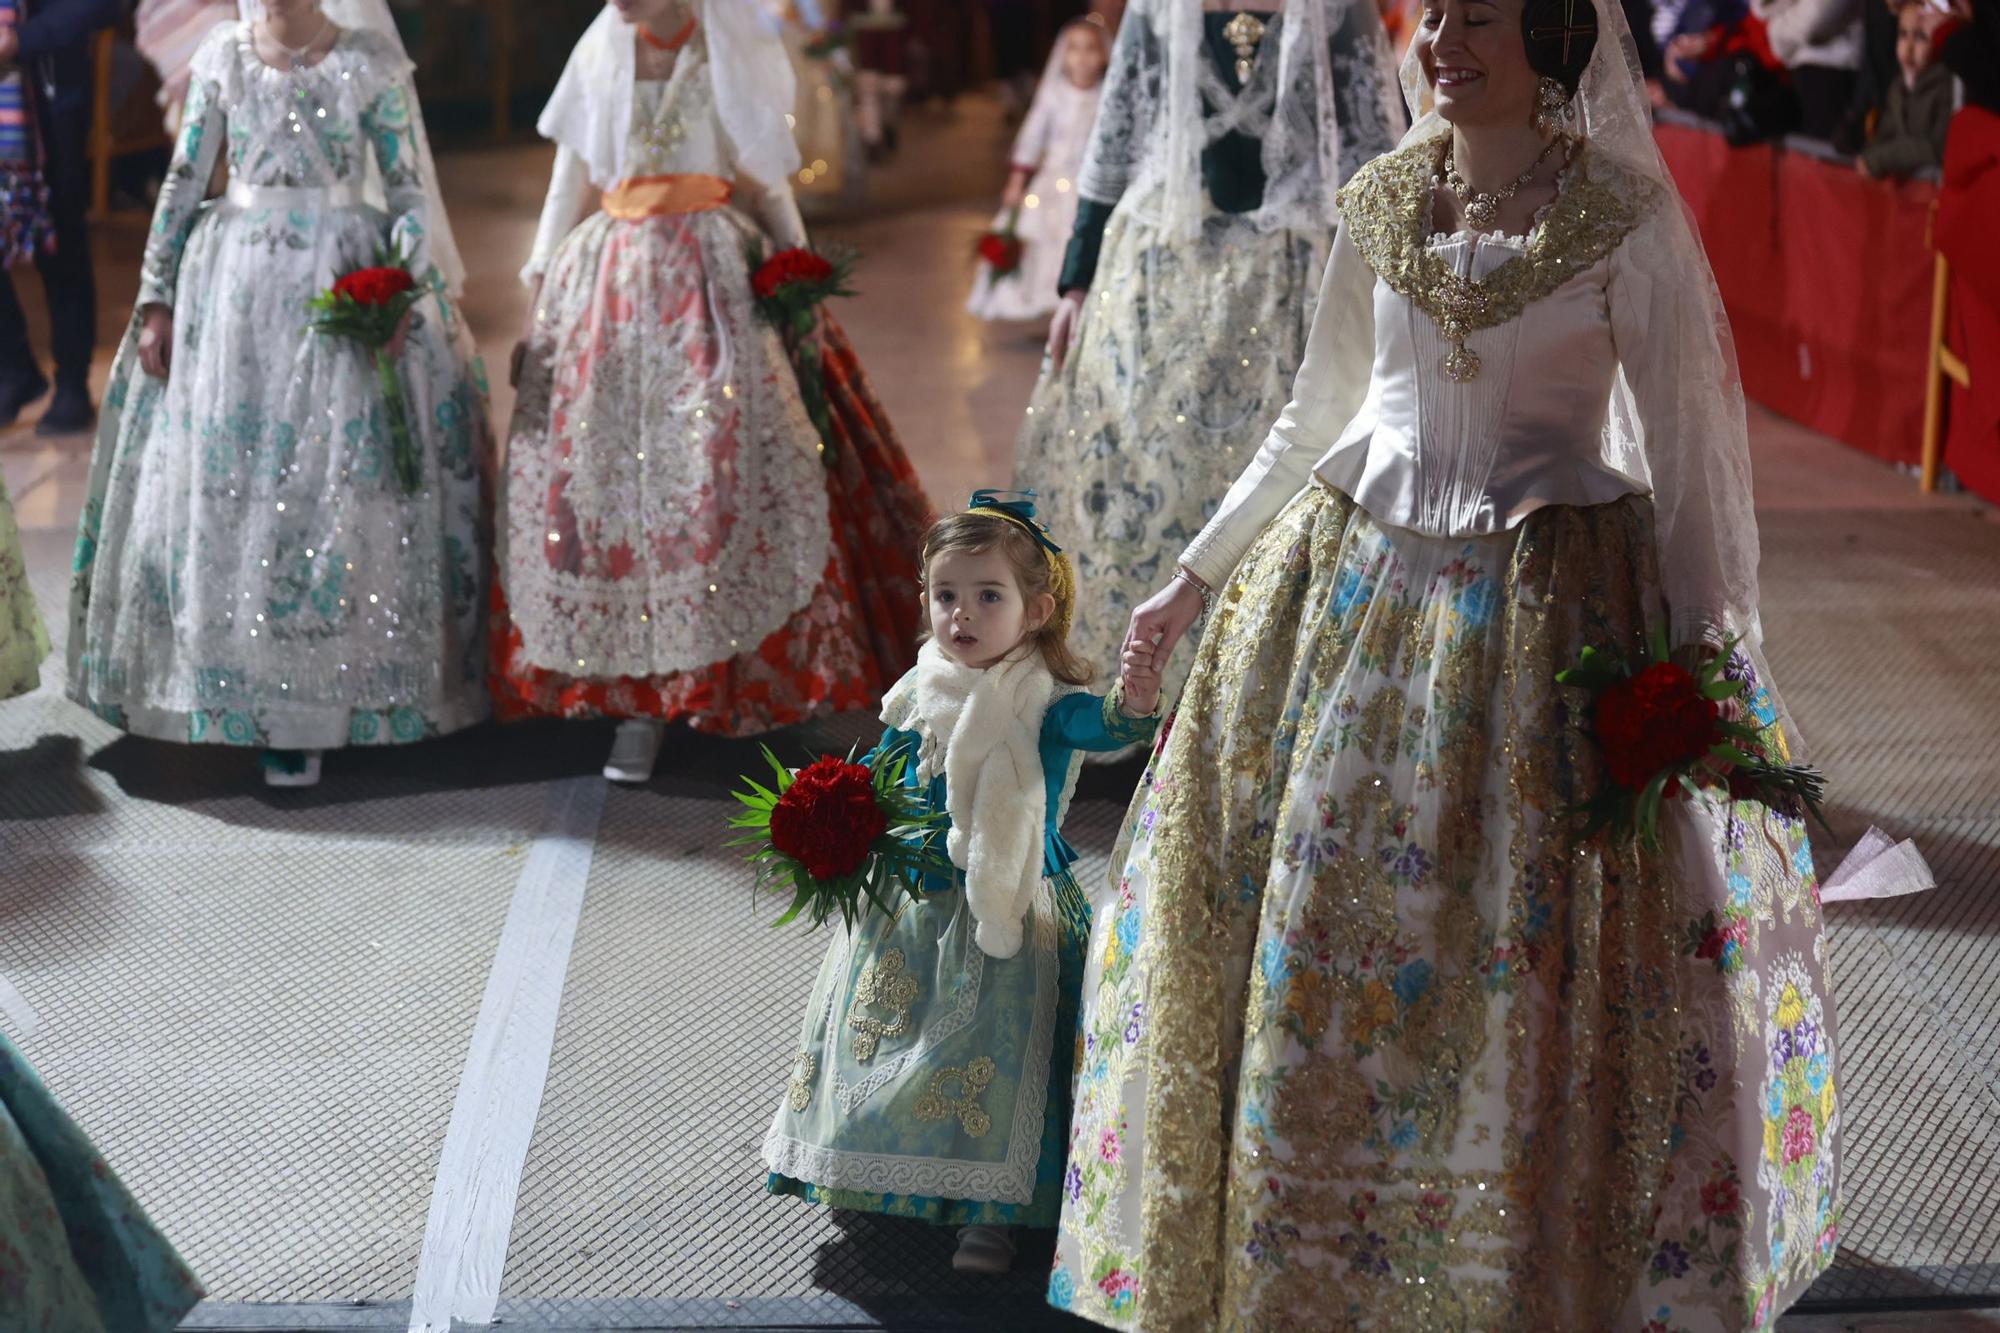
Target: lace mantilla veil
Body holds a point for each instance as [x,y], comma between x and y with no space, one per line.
[374,16]
[590,112]
[1695,449]
[1151,128]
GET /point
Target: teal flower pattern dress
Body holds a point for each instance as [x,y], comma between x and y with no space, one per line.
[248,569]
[24,640]
[77,1254]
[933,1081]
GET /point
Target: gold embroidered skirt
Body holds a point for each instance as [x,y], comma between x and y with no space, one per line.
[1373,1041]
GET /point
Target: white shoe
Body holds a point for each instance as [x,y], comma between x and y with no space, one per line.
[291,768]
[983,1250]
[633,751]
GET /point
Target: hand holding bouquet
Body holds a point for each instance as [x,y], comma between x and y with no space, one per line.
[1001,248]
[839,837]
[1663,732]
[790,288]
[370,306]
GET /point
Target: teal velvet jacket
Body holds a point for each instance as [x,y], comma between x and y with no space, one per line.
[1074,723]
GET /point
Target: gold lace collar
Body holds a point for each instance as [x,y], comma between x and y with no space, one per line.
[1386,207]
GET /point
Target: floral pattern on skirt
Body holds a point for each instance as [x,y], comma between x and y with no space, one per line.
[1381,1044]
[1002,1026]
[77,1254]
[24,640]
[677,545]
[1183,358]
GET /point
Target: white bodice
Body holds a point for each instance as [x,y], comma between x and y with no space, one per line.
[1600,374]
[1444,457]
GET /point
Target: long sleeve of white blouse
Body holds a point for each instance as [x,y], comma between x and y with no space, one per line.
[569,200]
[1331,387]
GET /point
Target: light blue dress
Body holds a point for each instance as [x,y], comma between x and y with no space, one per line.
[932,1080]
[77,1254]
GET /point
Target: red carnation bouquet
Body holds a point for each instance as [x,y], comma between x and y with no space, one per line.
[368,305]
[790,288]
[1662,734]
[839,837]
[1001,247]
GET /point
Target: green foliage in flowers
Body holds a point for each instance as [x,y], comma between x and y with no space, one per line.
[1662,733]
[368,305]
[840,838]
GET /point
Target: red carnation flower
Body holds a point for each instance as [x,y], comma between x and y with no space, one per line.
[787,267]
[1001,251]
[1653,721]
[828,818]
[374,286]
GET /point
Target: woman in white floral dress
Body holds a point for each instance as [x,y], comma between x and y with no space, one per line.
[1374,1037]
[1205,211]
[249,570]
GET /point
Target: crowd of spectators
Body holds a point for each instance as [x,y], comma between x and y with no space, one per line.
[1879,80]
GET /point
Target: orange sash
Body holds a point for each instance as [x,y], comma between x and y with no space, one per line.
[656,196]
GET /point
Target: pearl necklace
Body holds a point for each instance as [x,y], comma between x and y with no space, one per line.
[1481,208]
[297,54]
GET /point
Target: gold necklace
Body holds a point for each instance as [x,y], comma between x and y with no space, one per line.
[1482,207]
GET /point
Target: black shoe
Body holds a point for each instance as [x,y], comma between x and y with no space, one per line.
[17,391]
[69,412]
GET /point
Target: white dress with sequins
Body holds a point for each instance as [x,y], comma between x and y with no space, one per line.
[248,569]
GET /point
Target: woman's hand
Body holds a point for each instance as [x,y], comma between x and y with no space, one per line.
[1139,679]
[1063,328]
[1016,191]
[517,360]
[156,340]
[401,337]
[1163,619]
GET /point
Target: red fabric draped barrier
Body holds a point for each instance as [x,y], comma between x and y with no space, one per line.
[1827,279]
[1967,207]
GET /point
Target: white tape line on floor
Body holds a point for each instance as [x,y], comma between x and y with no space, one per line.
[506,1066]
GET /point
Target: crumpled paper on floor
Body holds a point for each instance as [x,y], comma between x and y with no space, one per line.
[1878,867]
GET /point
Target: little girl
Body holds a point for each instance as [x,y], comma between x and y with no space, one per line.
[1041,189]
[932,1078]
[248,570]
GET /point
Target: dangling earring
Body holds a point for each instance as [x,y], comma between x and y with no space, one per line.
[1551,106]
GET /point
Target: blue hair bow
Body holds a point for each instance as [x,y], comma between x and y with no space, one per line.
[1018,506]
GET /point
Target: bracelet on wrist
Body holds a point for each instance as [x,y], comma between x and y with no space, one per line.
[1207,597]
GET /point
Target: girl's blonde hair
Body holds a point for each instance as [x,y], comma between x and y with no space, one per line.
[1035,570]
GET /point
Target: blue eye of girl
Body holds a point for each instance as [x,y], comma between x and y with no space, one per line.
[944,599]
[990,595]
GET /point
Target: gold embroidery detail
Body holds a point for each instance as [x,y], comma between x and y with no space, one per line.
[881,983]
[799,1092]
[972,1081]
[1387,206]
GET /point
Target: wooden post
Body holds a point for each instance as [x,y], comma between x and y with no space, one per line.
[1940,365]
[1933,442]
[100,124]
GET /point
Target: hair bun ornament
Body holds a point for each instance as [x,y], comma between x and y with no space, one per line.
[1561,36]
[1018,507]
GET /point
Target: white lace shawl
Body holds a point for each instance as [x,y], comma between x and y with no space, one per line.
[1320,97]
[590,112]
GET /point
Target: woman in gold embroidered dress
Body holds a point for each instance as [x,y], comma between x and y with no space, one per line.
[1373,1038]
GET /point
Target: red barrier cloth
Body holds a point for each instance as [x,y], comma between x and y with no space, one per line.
[1967,205]
[1827,280]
